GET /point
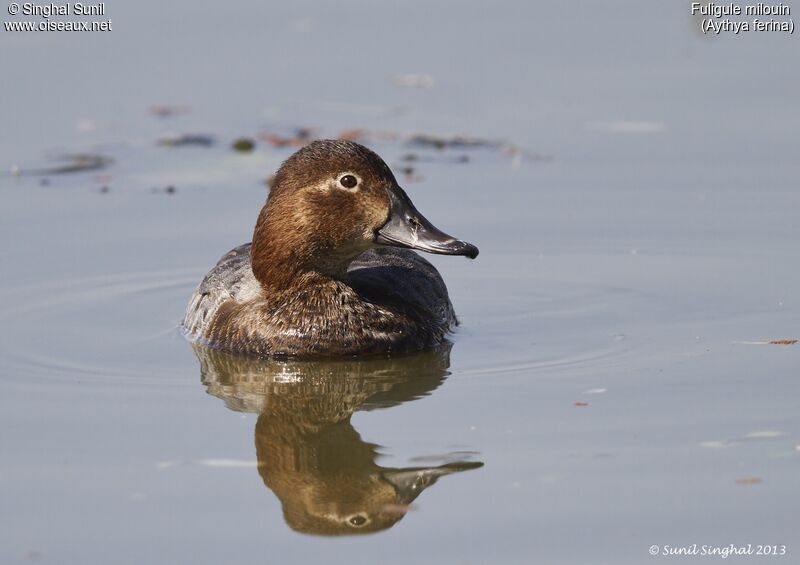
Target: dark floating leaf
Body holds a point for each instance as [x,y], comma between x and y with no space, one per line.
[305,133]
[243,145]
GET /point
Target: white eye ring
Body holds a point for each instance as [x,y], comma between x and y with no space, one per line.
[348,181]
[358,520]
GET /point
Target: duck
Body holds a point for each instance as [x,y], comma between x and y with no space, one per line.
[331,270]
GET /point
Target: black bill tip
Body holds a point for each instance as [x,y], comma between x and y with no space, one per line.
[406,227]
[457,247]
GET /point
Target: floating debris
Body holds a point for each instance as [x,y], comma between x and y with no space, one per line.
[192,139]
[768,342]
[413,157]
[277,140]
[580,403]
[80,163]
[463,142]
[749,481]
[298,137]
[450,142]
[306,133]
[74,163]
[243,145]
[303,135]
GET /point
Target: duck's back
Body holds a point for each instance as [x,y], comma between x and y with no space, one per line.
[395,281]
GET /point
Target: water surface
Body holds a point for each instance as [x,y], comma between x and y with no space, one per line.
[608,389]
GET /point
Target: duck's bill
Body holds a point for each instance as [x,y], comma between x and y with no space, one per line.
[409,483]
[406,227]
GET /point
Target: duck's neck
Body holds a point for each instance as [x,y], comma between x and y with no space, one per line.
[286,260]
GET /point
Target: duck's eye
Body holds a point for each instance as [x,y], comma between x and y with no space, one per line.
[348,181]
[358,521]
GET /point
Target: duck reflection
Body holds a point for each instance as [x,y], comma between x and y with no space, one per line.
[309,454]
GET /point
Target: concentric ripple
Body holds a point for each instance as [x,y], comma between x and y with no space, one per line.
[118,328]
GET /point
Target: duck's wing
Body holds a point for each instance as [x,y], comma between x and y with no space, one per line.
[402,279]
[231,279]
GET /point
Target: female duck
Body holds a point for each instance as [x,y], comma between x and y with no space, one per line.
[318,279]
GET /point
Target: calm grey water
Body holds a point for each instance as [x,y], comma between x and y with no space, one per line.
[608,388]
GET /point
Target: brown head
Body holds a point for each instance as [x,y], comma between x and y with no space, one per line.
[331,201]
